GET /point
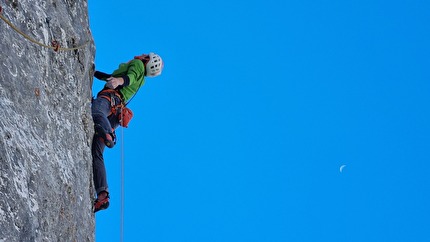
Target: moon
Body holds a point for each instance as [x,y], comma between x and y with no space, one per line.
[341,168]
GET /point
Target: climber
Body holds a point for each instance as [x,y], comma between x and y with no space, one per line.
[121,86]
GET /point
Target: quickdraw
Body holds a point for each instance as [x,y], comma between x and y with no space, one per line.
[56,45]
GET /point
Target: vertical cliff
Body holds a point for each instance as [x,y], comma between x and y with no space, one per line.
[45,124]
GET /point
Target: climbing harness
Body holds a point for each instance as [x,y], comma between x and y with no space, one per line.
[54,44]
[120,109]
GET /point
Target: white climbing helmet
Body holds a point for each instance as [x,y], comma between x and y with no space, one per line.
[154,66]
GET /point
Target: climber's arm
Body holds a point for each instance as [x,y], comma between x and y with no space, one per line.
[101,75]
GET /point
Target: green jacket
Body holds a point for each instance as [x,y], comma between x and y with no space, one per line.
[133,74]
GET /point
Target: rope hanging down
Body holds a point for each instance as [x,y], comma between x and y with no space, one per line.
[54,44]
[121,229]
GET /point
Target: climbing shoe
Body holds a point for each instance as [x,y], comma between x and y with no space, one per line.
[101,204]
[107,138]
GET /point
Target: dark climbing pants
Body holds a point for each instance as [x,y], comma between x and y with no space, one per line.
[100,110]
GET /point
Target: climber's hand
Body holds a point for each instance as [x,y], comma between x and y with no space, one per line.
[114,82]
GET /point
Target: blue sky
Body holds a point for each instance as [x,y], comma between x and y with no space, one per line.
[242,136]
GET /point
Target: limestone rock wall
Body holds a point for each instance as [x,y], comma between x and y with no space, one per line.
[45,125]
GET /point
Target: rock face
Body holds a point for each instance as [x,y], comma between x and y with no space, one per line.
[46,127]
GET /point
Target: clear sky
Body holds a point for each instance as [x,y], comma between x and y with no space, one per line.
[259,104]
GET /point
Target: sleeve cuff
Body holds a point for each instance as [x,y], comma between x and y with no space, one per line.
[126,81]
